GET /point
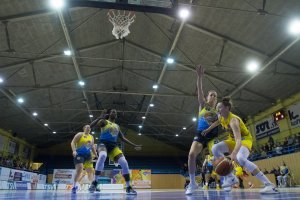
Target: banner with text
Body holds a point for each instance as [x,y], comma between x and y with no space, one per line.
[294,115]
[64,176]
[266,127]
[141,178]
[7,174]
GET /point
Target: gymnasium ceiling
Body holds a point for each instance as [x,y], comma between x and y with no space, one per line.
[221,35]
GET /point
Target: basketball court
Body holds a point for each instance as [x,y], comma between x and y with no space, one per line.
[64,62]
[152,194]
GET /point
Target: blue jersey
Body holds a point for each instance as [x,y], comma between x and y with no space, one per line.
[110,132]
[84,145]
[206,117]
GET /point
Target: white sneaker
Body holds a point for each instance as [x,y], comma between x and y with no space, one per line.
[191,188]
[227,189]
[229,181]
[269,189]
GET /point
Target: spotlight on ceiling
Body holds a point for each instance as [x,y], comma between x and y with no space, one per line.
[81,83]
[170,60]
[57,4]
[184,13]
[20,100]
[252,66]
[294,27]
[67,52]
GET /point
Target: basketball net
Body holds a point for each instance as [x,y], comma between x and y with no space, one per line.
[121,22]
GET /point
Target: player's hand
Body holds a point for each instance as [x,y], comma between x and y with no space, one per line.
[138,147]
[74,154]
[233,157]
[204,133]
[200,70]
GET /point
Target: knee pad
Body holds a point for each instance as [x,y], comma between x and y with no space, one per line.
[126,177]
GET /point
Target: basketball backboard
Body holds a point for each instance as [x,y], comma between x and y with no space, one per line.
[153,6]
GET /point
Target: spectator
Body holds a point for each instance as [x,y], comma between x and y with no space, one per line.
[271,143]
[265,171]
[263,154]
[296,144]
[285,142]
[185,170]
[267,148]
[284,173]
[276,173]
[278,148]
[290,141]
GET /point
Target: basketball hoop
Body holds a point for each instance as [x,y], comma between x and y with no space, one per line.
[121,22]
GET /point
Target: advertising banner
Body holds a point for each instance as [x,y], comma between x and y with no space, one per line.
[294,115]
[266,127]
[64,176]
[141,178]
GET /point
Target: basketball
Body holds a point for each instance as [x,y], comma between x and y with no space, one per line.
[223,166]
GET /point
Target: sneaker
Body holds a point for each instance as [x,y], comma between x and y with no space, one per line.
[191,188]
[227,189]
[269,189]
[74,189]
[93,187]
[130,191]
[229,181]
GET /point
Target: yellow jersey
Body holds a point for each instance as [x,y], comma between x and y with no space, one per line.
[84,145]
[245,134]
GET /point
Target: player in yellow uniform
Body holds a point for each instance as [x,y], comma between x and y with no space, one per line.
[207,168]
[82,146]
[110,131]
[207,115]
[238,144]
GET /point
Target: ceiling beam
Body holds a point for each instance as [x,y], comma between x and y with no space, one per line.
[193,69]
[268,62]
[231,41]
[53,56]
[73,56]
[12,97]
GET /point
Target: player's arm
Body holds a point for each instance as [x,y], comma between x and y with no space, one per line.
[123,138]
[235,126]
[93,148]
[100,121]
[74,141]
[200,75]
[211,127]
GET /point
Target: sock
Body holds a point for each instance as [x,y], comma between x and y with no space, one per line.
[127,183]
[260,176]
[127,179]
[97,176]
[76,184]
[192,179]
